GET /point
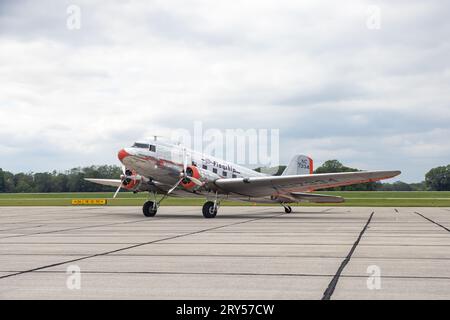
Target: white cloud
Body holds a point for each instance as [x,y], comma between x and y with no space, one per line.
[373,98]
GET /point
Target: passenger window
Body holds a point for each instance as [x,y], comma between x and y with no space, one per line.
[205,167]
[214,170]
[224,174]
[152,148]
[234,176]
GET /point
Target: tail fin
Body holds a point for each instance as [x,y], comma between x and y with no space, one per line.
[300,164]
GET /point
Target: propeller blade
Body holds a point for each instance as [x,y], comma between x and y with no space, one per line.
[175,186]
[184,160]
[184,175]
[196,181]
[122,178]
[117,191]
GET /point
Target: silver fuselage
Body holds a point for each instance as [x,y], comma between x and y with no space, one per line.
[163,162]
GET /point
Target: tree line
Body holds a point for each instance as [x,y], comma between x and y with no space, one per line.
[68,181]
[437,179]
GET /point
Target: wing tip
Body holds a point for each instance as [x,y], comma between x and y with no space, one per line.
[395,173]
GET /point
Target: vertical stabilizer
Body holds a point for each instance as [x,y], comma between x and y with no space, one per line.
[300,164]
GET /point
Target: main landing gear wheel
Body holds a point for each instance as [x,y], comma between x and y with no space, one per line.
[287,209]
[149,209]
[209,210]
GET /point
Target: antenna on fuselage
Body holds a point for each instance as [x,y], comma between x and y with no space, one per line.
[155,137]
[164,139]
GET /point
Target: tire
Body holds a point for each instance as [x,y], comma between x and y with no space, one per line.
[288,209]
[148,209]
[208,210]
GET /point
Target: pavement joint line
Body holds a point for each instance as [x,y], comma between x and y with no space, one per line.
[315,244]
[239,274]
[71,229]
[61,219]
[77,228]
[221,256]
[134,246]
[332,285]
[19,228]
[236,243]
[341,233]
[432,221]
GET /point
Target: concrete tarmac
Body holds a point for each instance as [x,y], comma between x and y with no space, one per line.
[244,253]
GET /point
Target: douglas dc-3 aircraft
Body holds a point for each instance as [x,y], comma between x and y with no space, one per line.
[164,168]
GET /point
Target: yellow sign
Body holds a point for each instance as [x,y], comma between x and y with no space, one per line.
[88,202]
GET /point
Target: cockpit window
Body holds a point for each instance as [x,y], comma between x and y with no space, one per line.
[140,145]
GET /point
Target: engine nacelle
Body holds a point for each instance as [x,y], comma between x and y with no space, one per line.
[205,176]
[132,181]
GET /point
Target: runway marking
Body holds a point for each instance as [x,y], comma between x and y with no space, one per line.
[432,221]
[330,289]
[135,246]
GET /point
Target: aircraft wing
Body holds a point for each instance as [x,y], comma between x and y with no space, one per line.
[106,182]
[266,186]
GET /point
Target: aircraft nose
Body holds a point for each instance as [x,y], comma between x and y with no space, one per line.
[122,154]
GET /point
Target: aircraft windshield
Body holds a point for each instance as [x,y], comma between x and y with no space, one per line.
[140,145]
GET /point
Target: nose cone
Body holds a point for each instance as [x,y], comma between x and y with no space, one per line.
[122,154]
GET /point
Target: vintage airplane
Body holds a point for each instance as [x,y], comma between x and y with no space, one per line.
[164,168]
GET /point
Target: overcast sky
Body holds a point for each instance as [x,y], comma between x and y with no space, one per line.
[336,85]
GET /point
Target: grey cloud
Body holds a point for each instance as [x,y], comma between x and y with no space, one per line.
[29,20]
